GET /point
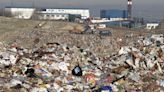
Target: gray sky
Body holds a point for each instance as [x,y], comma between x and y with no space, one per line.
[146,8]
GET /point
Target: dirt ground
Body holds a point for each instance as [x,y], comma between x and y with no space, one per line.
[26,32]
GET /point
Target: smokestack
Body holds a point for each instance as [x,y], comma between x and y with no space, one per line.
[129,9]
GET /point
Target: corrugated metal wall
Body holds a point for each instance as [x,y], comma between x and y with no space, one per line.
[113,14]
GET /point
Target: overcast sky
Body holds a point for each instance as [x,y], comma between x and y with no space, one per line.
[146,8]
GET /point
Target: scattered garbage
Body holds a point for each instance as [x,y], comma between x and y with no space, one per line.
[161,83]
[77,71]
[56,67]
[30,72]
[106,89]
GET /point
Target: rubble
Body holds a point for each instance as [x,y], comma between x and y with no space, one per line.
[58,67]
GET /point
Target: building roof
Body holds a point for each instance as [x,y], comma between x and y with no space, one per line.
[18,7]
[114,10]
[53,13]
[65,8]
[47,8]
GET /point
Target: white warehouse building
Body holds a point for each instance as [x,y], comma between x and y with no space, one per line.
[22,13]
[52,16]
[84,13]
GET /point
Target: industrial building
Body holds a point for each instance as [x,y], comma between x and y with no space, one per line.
[114,14]
[56,16]
[48,14]
[84,13]
[116,17]
[52,16]
[22,13]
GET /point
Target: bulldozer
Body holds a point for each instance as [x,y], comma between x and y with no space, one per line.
[77,29]
[83,29]
[86,29]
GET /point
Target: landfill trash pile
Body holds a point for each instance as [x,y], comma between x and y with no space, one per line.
[96,44]
[56,67]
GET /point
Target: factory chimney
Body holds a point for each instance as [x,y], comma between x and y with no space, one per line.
[129,9]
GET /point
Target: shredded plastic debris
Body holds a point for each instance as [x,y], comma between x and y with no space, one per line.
[57,67]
